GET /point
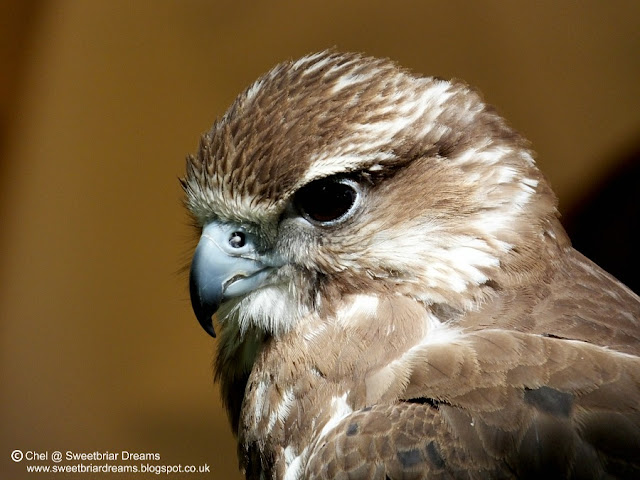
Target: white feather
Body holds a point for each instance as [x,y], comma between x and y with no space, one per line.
[275,309]
[283,409]
[294,463]
[357,305]
[325,164]
[260,396]
[339,410]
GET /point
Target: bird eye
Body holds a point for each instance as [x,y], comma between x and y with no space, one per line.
[326,200]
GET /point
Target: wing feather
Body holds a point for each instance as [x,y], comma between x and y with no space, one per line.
[554,392]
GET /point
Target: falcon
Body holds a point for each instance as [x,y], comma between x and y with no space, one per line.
[395,297]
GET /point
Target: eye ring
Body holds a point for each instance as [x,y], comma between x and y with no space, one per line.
[328,201]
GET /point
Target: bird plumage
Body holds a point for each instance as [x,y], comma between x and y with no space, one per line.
[409,304]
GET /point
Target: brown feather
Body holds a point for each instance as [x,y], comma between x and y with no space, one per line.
[447,329]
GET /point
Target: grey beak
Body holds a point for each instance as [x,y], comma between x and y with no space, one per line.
[225,265]
[205,287]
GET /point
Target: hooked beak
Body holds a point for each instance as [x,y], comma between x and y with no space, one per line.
[225,265]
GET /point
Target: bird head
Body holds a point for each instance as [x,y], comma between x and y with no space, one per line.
[340,174]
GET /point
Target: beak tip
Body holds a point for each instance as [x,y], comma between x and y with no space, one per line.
[204,311]
[204,314]
[208,327]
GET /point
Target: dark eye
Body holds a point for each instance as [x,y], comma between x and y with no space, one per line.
[326,200]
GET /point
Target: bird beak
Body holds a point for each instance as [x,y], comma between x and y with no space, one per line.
[225,264]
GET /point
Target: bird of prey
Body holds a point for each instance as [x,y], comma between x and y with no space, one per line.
[395,296]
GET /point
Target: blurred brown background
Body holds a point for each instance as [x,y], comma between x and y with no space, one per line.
[101,100]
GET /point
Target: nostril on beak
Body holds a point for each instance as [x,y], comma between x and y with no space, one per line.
[237,240]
